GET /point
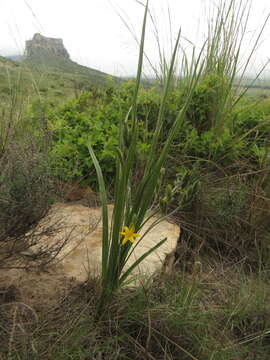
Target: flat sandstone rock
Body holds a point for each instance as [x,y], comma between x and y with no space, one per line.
[81,256]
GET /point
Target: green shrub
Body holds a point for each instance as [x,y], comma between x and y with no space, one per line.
[73,125]
[94,116]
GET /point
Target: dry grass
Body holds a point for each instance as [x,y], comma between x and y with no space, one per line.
[219,313]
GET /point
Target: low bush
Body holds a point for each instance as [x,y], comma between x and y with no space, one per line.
[25,187]
[25,197]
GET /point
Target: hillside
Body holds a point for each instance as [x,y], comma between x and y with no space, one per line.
[47,71]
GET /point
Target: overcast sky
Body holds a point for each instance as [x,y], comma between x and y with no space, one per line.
[95,34]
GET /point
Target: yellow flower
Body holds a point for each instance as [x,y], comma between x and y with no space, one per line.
[129,234]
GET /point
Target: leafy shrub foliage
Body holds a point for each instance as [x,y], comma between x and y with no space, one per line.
[219,160]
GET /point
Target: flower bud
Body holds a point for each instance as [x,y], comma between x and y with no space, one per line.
[163,203]
[162,172]
[169,192]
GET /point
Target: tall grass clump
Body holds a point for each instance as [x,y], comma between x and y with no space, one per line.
[224,152]
[133,205]
[224,66]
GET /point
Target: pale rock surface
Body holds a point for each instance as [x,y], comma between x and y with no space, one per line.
[81,256]
[52,46]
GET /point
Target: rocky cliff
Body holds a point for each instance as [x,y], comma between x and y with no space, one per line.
[41,44]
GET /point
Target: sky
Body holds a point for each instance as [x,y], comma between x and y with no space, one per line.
[102,34]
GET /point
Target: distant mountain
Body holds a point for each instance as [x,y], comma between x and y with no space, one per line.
[46,70]
[49,54]
[15,57]
[41,45]
[6,61]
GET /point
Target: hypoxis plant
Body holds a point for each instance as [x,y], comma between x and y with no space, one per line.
[133,206]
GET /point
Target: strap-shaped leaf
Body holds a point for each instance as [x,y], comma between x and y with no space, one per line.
[138,261]
[105,220]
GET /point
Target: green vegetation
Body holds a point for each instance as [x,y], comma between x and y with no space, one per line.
[133,204]
[48,77]
[195,149]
